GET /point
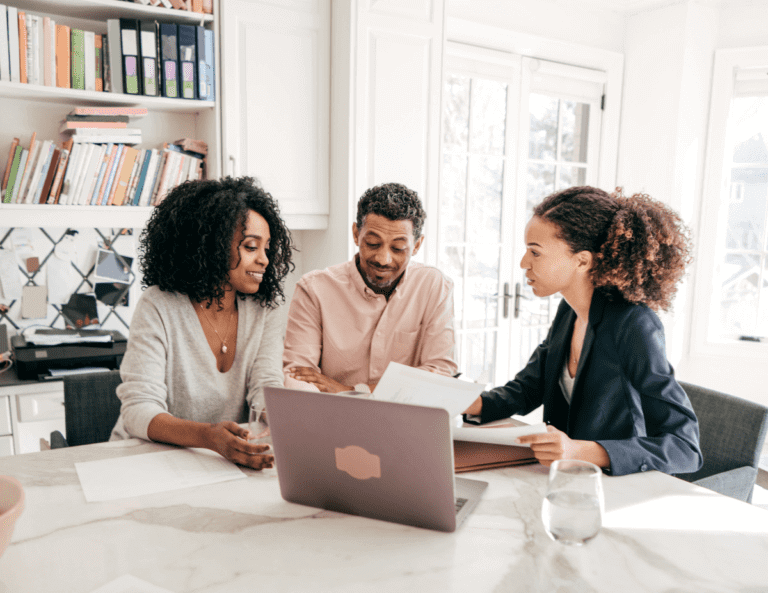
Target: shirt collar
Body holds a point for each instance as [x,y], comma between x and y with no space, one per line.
[363,288]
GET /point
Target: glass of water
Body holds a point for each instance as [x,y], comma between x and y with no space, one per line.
[572,511]
[257,423]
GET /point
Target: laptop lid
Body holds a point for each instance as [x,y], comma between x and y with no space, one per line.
[377,459]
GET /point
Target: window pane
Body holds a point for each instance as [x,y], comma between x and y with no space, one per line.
[746,208]
[542,143]
[479,353]
[541,183]
[740,274]
[454,200]
[485,190]
[456,116]
[762,312]
[749,121]
[483,285]
[572,176]
[574,131]
[452,264]
[489,112]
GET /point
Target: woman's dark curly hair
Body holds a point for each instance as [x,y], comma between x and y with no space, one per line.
[395,202]
[186,245]
[641,246]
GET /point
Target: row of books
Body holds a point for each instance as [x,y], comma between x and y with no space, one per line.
[201,6]
[134,57]
[103,125]
[92,173]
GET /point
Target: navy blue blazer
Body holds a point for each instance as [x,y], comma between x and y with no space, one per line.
[625,395]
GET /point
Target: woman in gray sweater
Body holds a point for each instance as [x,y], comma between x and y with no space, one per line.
[206,336]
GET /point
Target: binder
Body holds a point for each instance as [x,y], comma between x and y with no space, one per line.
[210,65]
[129,47]
[106,71]
[148,47]
[169,60]
[5,59]
[202,67]
[89,55]
[63,65]
[97,57]
[13,43]
[187,59]
[78,59]
[115,70]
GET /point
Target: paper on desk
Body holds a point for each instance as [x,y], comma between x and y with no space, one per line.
[497,435]
[407,385]
[130,584]
[137,475]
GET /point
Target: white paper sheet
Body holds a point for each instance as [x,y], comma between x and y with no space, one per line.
[9,276]
[137,475]
[407,385]
[130,584]
[498,435]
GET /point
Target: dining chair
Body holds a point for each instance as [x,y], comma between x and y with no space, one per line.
[91,408]
[732,432]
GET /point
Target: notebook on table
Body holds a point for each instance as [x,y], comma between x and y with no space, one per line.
[378,459]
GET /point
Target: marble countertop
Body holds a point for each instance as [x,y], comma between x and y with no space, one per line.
[660,534]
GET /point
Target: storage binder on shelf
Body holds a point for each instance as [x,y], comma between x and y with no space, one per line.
[168,60]
[129,47]
[148,49]
[187,59]
[115,57]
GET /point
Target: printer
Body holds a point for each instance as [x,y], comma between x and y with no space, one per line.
[49,350]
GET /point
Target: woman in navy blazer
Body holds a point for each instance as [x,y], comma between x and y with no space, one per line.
[609,393]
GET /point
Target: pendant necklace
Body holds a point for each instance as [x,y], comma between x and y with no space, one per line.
[229,325]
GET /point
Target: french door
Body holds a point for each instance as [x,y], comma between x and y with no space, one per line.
[513,131]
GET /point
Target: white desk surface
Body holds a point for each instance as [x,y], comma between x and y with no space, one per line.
[660,534]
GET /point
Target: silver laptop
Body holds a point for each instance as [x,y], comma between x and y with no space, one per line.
[377,459]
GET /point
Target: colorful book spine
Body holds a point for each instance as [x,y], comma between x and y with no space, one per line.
[63,65]
[78,59]
[12,174]
[98,60]
[22,27]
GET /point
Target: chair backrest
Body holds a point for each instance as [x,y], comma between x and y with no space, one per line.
[732,430]
[91,406]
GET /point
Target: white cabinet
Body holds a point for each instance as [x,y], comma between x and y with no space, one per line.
[28,108]
[275,68]
[30,412]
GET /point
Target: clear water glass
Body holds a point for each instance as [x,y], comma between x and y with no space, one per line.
[257,424]
[572,511]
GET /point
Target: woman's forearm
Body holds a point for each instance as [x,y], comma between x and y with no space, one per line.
[165,428]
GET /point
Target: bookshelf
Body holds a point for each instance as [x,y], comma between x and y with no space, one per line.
[32,108]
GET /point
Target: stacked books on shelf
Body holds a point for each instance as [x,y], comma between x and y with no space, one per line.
[134,57]
[203,6]
[99,169]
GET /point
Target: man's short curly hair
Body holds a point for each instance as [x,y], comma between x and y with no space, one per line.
[641,246]
[395,202]
[186,245]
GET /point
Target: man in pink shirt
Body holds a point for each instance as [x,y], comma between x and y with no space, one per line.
[348,322]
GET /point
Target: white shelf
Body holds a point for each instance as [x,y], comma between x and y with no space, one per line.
[56,216]
[36,92]
[101,10]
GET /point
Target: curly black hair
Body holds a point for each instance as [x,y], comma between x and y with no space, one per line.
[641,246]
[186,245]
[393,201]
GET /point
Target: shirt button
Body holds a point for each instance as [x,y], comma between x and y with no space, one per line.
[378,334]
[644,467]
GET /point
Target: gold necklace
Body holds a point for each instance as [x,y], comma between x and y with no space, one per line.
[229,325]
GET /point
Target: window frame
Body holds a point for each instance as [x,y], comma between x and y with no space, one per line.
[714,210]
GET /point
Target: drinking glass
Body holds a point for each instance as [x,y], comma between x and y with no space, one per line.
[572,510]
[257,423]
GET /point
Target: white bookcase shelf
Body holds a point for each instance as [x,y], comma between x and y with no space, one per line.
[58,216]
[94,10]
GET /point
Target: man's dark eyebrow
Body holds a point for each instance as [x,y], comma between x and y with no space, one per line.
[534,244]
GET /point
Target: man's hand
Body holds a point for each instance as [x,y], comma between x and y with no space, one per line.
[323,383]
[230,440]
[476,408]
[555,444]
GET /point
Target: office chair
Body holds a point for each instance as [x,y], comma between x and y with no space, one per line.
[732,433]
[91,408]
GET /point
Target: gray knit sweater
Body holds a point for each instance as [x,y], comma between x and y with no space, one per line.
[169,367]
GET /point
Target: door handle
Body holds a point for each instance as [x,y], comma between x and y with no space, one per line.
[518,295]
[506,296]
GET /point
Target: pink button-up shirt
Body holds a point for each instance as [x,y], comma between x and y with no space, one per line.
[339,326]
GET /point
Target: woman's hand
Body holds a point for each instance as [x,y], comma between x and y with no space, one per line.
[555,444]
[230,440]
[322,382]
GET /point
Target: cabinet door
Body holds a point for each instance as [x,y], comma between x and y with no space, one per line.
[275,66]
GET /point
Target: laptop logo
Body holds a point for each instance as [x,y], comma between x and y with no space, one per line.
[358,463]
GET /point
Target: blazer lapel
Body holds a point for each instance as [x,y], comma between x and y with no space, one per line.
[596,309]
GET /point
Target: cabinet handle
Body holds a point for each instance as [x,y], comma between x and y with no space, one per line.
[233,160]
